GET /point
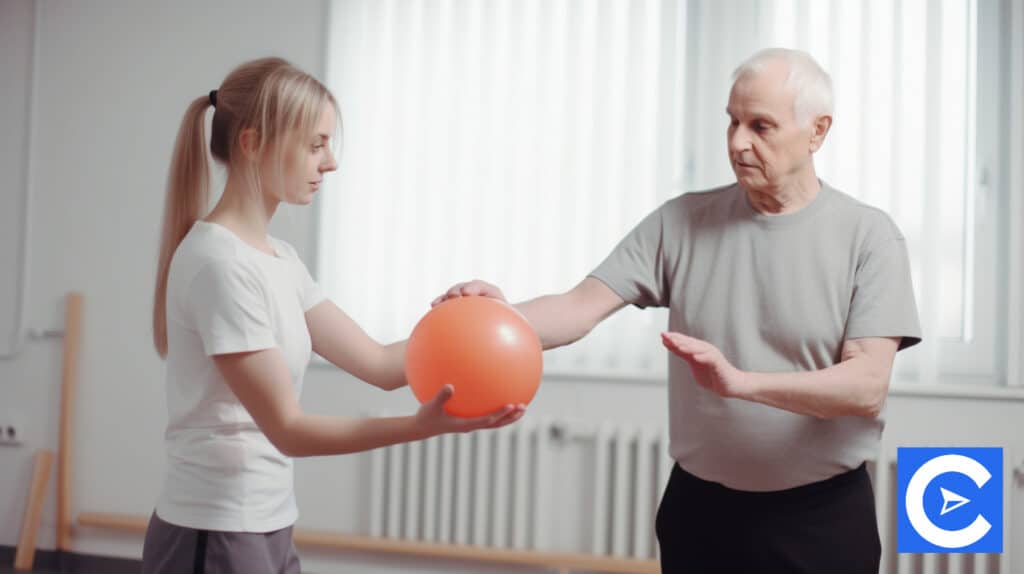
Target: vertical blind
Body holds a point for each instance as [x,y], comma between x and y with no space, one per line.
[512,140]
[518,140]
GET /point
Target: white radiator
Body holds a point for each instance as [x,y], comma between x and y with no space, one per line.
[510,487]
[557,485]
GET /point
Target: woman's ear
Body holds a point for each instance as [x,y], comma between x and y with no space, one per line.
[249,141]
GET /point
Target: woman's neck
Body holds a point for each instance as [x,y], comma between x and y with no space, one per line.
[244,211]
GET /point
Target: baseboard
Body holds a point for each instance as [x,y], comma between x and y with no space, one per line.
[70,562]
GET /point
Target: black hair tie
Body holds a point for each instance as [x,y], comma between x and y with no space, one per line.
[213,98]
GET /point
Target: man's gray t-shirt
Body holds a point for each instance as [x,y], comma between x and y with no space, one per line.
[775,293]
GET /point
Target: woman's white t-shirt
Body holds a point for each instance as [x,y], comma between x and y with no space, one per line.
[226,296]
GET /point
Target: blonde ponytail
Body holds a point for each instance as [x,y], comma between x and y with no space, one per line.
[188,193]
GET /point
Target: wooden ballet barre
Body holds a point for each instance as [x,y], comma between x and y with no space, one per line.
[564,562]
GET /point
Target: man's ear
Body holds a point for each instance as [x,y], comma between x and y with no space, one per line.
[819,129]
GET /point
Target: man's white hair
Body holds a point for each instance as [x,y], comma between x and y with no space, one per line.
[811,84]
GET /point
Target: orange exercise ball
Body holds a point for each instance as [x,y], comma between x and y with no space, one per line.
[483,347]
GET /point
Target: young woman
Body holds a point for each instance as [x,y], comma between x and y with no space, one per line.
[236,316]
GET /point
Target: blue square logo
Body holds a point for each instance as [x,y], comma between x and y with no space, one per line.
[949,500]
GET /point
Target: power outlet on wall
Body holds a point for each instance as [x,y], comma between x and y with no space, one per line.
[10,431]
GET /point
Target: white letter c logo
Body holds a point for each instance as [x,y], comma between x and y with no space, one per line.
[915,501]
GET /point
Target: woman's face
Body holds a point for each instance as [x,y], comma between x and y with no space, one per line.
[305,166]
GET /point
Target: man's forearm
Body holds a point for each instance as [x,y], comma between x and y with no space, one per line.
[855,387]
[550,317]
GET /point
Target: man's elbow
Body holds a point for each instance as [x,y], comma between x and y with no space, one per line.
[876,392]
[872,409]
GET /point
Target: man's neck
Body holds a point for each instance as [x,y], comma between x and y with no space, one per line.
[789,197]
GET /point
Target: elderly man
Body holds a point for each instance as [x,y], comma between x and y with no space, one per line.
[788,302]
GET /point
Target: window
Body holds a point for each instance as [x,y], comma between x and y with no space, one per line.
[519,140]
[917,87]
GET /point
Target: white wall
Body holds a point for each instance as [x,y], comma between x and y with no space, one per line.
[113,78]
[15,64]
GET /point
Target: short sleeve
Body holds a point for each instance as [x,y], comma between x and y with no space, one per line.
[634,270]
[229,309]
[883,297]
[311,292]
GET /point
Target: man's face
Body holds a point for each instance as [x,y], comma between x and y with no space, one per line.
[767,146]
